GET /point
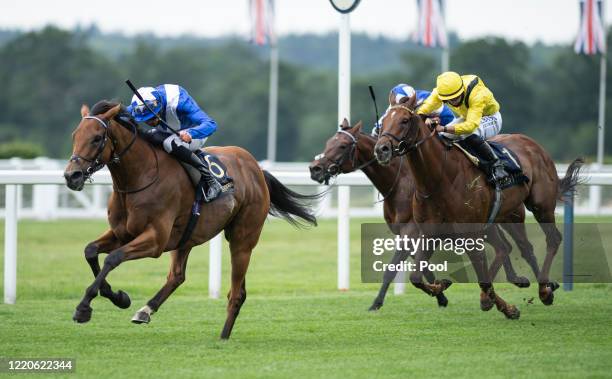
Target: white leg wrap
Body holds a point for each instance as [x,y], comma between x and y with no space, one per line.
[146,309]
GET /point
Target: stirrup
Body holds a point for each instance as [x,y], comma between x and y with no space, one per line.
[212,191]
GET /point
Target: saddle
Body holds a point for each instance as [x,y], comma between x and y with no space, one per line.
[216,168]
[509,159]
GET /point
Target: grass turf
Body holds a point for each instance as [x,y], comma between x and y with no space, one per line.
[294,323]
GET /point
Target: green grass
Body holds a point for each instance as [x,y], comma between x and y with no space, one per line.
[294,323]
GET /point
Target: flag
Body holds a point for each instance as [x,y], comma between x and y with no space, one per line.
[591,35]
[262,22]
[431,31]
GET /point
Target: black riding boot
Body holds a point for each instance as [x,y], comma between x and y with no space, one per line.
[494,167]
[187,156]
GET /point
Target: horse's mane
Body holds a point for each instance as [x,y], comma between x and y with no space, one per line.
[124,117]
[104,106]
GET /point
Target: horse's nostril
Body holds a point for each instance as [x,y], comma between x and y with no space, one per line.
[74,176]
[384,148]
[316,169]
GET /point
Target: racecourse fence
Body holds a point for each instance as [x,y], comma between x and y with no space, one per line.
[36,189]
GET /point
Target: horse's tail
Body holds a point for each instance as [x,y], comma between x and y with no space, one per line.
[288,204]
[567,185]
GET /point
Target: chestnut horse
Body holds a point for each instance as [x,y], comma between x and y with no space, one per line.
[450,189]
[350,149]
[151,205]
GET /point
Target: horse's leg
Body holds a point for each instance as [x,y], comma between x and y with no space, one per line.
[553,240]
[243,235]
[237,293]
[435,289]
[399,256]
[519,235]
[176,277]
[488,297]
[105,243]
[502,256]
[146,244]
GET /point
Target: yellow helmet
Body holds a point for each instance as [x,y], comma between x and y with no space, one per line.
[449,85]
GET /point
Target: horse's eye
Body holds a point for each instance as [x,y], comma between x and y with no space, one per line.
[342,147]
[405,120]
[96,139]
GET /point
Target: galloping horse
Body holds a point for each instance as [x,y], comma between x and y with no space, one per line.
[350,149]
[450,189]
[151,204]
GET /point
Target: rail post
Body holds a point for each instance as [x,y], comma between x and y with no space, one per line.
[10,245]
[214,267]
[568,242]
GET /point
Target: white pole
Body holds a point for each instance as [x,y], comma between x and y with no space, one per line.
[595,191]
[400,283]
[445,50]
[273,103]
[445,59]
[214,267]
[10,245]
[344,111]
[344,69]
[602,93]
[344,195]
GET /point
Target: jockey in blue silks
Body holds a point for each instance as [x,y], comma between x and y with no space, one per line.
[179,110]
[404,90]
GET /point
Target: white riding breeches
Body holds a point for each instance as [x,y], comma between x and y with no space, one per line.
[195,144]
[489,126]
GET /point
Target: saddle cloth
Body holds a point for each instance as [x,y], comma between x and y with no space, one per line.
[217,169]
[511,163]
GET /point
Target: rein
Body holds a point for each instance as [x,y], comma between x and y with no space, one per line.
[97,162]
[334,169]
[339,162]
[403,146]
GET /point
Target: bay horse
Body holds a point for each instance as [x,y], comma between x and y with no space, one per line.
[349,149]
[450,189]
[151,203]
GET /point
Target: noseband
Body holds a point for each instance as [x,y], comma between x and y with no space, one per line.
[96,163]
[403,145]
[334,169]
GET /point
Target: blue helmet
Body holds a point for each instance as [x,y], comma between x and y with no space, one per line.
[152,98]
[400,91]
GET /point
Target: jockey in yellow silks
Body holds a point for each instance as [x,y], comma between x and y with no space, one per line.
[477,115]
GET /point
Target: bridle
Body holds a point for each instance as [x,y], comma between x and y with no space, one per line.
[335,168]
[403,146]
[96,163]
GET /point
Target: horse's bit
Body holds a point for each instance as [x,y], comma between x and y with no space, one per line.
[402,146]
[96,163]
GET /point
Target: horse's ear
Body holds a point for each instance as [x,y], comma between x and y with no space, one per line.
[84,110]
[345,124]
[392,100]
[357,128]
[111,113]
[411,103]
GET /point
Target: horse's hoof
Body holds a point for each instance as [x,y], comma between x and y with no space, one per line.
[520,282]
[486,304]
[82,314]
[446,283]
[442,300]
[141,318]
[548,297]
[553,286]
[512,313]
[122,300]
[375,306]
